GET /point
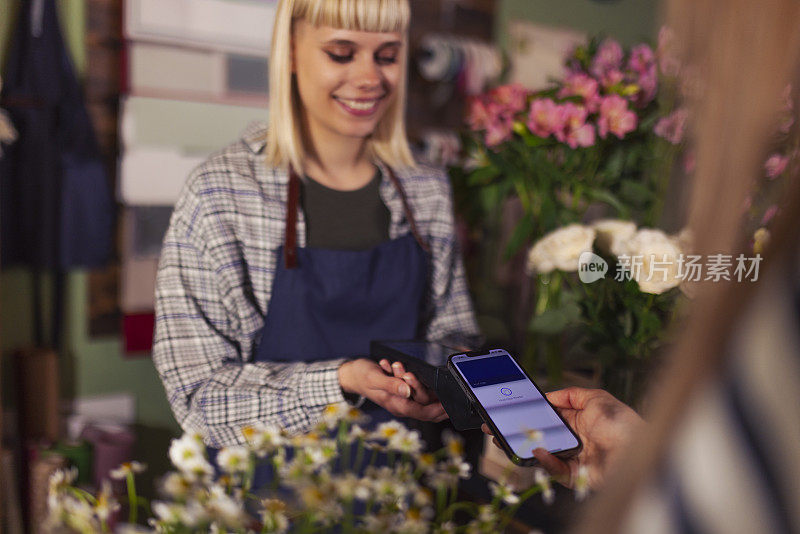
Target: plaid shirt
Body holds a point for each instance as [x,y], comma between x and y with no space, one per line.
[215,281]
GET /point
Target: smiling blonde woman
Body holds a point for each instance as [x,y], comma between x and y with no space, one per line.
[293,248]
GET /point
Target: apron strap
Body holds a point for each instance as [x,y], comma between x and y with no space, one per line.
[290,242]
[407,208]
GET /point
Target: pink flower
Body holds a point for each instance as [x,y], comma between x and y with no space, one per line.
[576,132]
[775,165]
[608,57]
[545,117]
[498,130]
[770,214]
[615,117]
[511,98]
[583,85]
[611,78]
[642,59]
[672,126]
[648,84]
[478,115]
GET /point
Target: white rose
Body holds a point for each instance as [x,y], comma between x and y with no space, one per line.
[612,234]
[656,256]
[560,249]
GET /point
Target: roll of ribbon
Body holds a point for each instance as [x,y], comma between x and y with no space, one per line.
[435,58]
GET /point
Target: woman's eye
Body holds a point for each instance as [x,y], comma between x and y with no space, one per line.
[386,60]
[340,58]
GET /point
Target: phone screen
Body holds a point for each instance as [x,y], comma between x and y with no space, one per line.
[516,407]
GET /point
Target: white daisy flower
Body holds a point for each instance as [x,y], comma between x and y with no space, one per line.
[453,443]
[234,459]
[355,416]
[356,433]
[224,508]
[504,492]
[333,413]
[106,503]
[127,468]
[176,485]
[273,515]
[186,451]
[389,430]
[543,479]
[263,439]
[62,479]
[582,483]
[409,442]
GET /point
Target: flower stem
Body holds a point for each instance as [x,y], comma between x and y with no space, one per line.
[132,501]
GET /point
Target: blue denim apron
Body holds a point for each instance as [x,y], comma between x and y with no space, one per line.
[331,303]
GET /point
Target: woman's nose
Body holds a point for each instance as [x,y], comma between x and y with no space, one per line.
[368,75]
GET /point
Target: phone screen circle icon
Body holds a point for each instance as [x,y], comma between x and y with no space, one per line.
[505,391]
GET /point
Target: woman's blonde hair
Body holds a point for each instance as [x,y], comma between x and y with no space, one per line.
[746,52]
[285,142]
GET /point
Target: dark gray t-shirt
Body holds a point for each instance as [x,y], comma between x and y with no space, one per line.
[344,220]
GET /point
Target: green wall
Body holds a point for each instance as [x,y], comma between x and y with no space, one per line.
[629,21]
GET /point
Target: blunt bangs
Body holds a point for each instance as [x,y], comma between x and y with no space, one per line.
[362,15]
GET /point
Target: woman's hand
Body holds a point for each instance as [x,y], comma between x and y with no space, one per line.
[392,388]
[603,423]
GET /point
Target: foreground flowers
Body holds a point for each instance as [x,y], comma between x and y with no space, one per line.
[322,477]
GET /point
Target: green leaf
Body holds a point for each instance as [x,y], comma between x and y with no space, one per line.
[482,175]
[549,323]
[636,193]
[615,163]
[555,320]
[602,195]
[534,140]
[521,234]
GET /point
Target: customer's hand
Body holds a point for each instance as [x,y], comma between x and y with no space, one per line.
[398,392]
[603,423]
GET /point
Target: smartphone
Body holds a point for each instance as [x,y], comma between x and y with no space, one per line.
[516,410]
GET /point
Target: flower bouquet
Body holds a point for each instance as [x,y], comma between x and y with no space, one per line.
[615,289]
[327,480]
[594,136]
[594,141]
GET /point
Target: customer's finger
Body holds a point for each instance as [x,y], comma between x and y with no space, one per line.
[557,468]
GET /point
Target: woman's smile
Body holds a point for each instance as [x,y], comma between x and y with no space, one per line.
[360,107]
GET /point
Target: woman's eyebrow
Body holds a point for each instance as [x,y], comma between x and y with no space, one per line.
[345,42]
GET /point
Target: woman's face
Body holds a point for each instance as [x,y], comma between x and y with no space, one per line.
[346,78]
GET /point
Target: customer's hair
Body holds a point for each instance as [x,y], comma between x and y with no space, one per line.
[744,53]
[285,142]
